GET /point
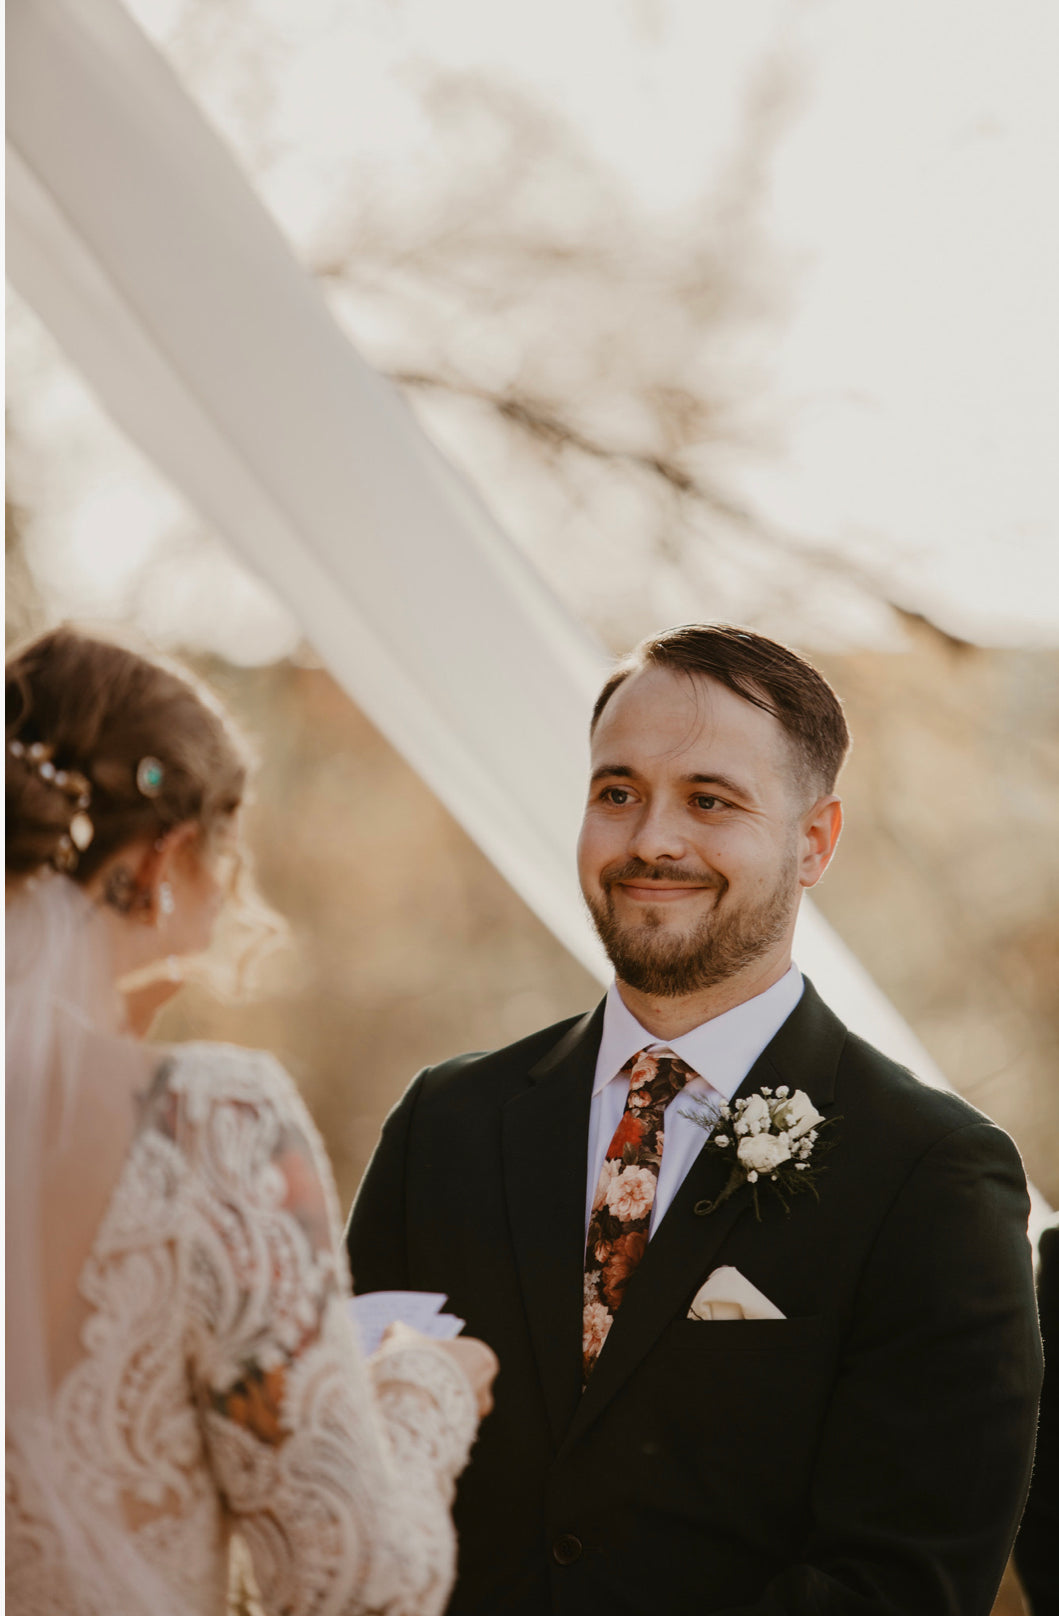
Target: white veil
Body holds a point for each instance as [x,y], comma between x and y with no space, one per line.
[67,1064]
[56,993]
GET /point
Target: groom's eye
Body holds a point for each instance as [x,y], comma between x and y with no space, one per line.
[708,802]
[616,795]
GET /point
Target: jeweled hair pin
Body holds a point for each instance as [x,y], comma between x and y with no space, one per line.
[38,755]
[150,776]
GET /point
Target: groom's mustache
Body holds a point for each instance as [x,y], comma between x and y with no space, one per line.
[638,870]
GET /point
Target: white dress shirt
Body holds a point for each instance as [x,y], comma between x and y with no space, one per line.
[721,1052]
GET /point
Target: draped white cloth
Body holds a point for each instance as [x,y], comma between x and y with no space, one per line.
[138,241]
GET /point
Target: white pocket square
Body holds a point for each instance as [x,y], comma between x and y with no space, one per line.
[727,1295]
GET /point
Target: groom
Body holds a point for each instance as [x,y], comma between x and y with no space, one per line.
[717,1394]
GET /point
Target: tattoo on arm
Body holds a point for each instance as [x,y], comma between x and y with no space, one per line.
[254,1402]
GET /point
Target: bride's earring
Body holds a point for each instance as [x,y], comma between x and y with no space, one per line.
[166,902]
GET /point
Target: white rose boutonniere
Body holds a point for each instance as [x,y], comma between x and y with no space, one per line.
[796,1114]
[754,1117]
[763,1153]
[772,1137]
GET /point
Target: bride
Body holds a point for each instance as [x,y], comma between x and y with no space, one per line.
[179,1365]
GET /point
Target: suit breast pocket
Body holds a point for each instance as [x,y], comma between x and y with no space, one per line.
[723,1391]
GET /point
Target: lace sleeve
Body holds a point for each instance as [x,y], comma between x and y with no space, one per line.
[338,1474]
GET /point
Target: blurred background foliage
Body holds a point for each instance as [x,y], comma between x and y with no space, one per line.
[603,366]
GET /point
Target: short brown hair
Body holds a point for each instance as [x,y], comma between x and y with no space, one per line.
[98,710]
[761,671]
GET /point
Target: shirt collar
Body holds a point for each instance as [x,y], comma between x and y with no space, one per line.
[722,1050]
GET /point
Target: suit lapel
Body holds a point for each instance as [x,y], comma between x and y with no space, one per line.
[545,1152]
[804,1054]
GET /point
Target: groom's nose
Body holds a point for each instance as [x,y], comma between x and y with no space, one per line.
[657,832]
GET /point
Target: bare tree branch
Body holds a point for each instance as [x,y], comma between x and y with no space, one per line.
[548,427]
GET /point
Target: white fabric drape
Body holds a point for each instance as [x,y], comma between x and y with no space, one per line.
[139,243]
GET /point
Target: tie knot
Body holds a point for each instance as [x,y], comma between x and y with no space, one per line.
[655,1076]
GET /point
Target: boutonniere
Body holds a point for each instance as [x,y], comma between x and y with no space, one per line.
[772,1137]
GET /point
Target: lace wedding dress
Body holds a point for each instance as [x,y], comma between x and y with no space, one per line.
[201,1373]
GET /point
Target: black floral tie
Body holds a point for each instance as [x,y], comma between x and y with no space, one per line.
[625,1193]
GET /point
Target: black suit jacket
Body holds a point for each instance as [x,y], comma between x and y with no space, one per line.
[1037,1546]
[866,1455]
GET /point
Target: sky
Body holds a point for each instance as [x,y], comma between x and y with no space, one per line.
[908,201]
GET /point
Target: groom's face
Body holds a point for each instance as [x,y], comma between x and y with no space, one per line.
[692,851]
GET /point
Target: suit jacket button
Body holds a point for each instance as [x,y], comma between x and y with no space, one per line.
[566,1549]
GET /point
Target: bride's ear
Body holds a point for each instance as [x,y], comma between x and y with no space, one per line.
[153,871]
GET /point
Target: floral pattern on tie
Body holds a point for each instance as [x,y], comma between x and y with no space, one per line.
[625,1193]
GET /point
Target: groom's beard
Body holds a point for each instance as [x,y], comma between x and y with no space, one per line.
[717,948]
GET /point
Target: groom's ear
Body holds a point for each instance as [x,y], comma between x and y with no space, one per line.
[820,830]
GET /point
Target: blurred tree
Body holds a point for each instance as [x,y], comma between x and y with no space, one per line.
[599,373]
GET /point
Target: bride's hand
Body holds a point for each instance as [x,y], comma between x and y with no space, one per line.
[478,1362]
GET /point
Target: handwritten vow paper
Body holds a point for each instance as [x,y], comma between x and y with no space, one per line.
[374,1312]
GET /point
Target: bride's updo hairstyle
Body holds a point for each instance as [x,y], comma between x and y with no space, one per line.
[105,748]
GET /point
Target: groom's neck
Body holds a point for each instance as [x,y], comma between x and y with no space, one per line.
[670,1017]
